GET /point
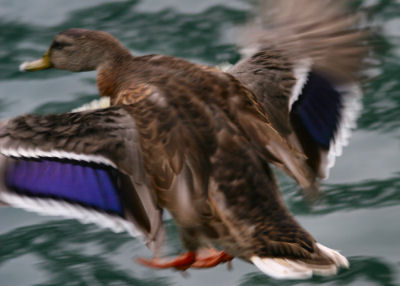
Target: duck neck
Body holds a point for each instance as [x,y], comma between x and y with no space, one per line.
[110,72]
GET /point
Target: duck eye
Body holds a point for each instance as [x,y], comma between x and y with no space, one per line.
[57,45]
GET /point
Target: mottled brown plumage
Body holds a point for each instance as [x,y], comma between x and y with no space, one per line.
[193,140]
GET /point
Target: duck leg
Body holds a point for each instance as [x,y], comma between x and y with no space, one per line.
[205,258]
[181,262]
[210,257]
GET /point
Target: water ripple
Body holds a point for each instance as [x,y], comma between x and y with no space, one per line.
[73,254]
[339,197]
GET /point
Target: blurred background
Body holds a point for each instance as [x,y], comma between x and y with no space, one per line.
[358,212]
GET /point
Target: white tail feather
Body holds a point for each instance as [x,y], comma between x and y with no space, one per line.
[339,259]
[282,268]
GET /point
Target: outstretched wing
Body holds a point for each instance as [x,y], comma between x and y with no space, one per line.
[304,71]
[322,118]
[84,165]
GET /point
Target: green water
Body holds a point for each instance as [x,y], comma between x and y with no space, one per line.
[359,212]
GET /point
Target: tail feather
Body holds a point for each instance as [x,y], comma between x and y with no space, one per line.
[280,268]
[322,270]
[339,259]
[285,268]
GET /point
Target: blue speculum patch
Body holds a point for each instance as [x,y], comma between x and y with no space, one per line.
[90,185]
[319,108]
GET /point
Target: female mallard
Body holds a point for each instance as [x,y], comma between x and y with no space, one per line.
[193,140]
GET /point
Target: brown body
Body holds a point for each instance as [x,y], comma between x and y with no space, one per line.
[202,162]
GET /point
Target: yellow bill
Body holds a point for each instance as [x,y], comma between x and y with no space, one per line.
[39,64]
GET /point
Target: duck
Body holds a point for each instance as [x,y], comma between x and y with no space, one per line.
[196,141]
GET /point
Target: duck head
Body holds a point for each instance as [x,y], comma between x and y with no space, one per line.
[79,50]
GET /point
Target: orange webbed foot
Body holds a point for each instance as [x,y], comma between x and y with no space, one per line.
[205,258]
[211,257]
[182,262]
